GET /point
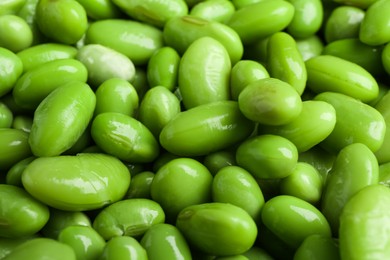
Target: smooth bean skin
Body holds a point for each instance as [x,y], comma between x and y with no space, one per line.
[270,101]
[216,10]
[310,47]
[34,85]
[14,147]
[77,182]
[116,95]
[293,219]
[163,67]
[368,57]
[376,17]
[205,129]
[277,155]
[180,32]
[386,58]
[235,185]
[182,177]
[104,63]
[217,160]
[153,12]
[262,19]
[315,122]
[198,85]
[123,247]
[37,55]
[11,6]
[140,185]
[343,23]
[216,228]
[85,241]
[14,174]
[308,18]
[285,62]
[157,108]
[165,240]
[243,73]
[356,122]
[6,116]
[355,167]
[11,67]
[61,118]
[27,12]
[60,219]
[317,247]
[42,248]
[305,183]
[364,224]
[64,21]
[124,137]
[384,174]
[330,73]
[19,208]
[100,9]
[8,244]
[130,217]
[15,34]
[138,41]
[383,106]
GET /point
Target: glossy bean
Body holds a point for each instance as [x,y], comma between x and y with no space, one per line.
[123,247]
[15,34]
[11,67]
[140,185]
[100,9]
[216,10]
[6,116]
[14,174]
[317,247]
[14,147]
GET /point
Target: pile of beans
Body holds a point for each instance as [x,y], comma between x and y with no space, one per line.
[189,129]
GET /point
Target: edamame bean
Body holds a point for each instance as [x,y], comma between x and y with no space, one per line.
[317,247]
[217,160]
[154,12]
[277,156]
[262,19]
[18,208]
[243,73]
[116,95]
[293,219]
[77,182]
[64,21]
[42,248]
[123,247]
[11,6]
[14,174]
[34,85]
[355,167]
[185,178]
[11,67]
[376,17]
[104,63]
[235,185]
[270,101]
[8,244]
[364,4]
[330,73]
[15,34]
[343,23]
[205,129]
[100,9]
[365,214]
[386,58]
[163,68]
[384,174]
[310,47]
[285,62]
[356,122]
[181,32]
[37,55]
[307,19]
[130,217]
[77,237]
[383,106]
[60,219]
[136,40]
[61,118]
[157,108]
[27,12]
[124,137]
[6,116]
[216,10]
[198,85]
[14,147]
[140,185]
[165,241]
[315,123]
[305,183]
[217,228]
